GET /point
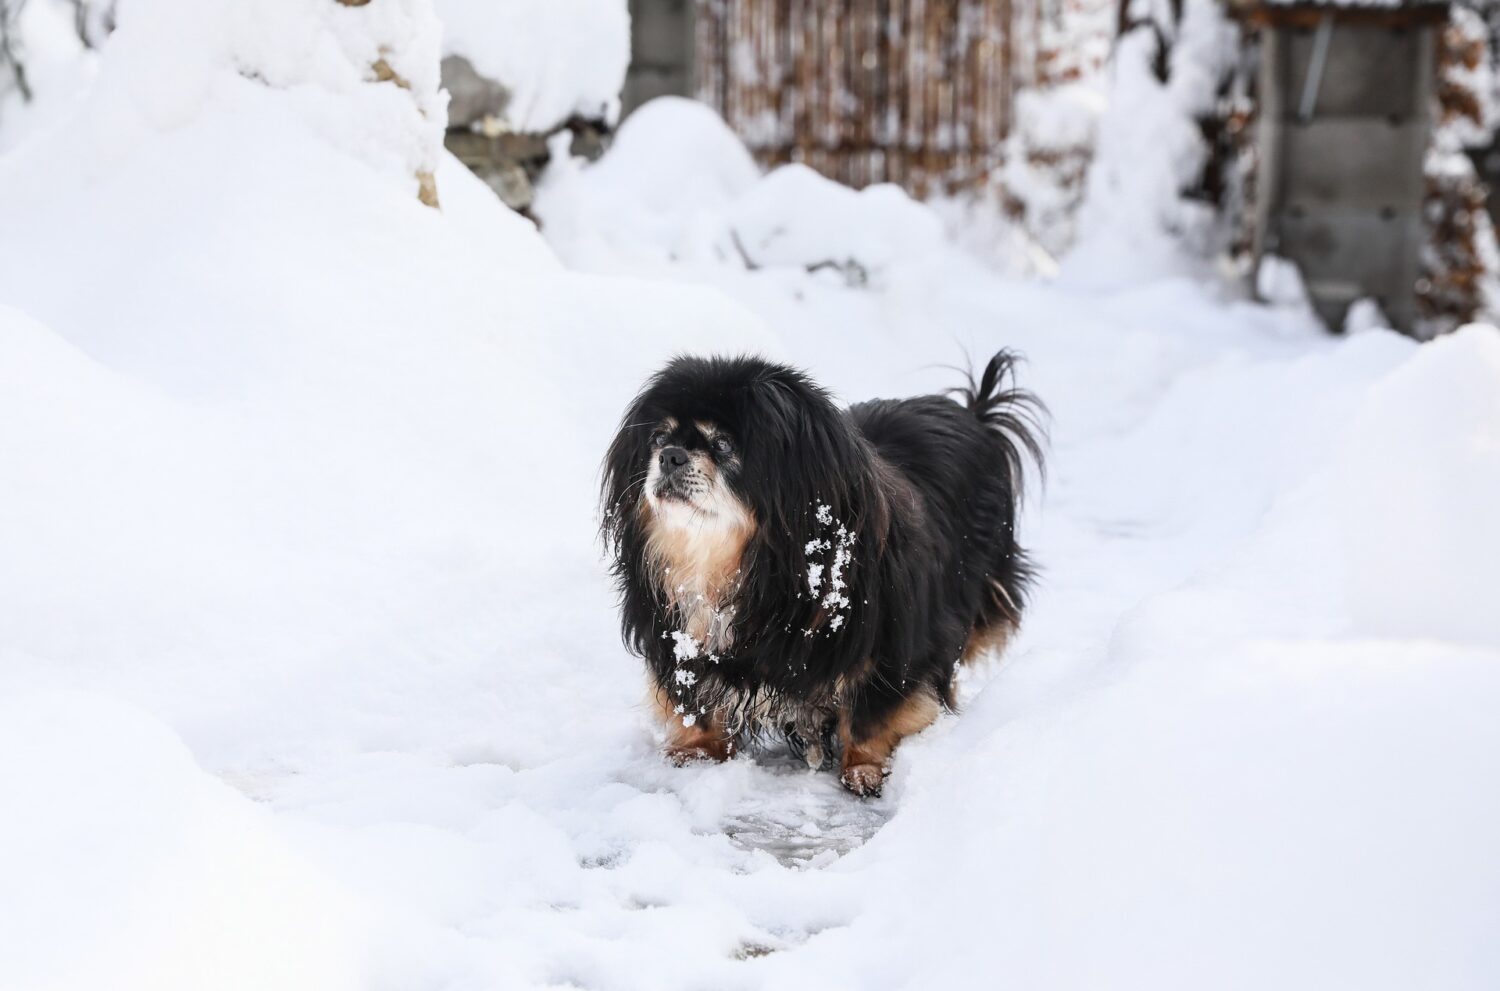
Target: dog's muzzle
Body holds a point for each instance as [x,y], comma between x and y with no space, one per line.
[674,476]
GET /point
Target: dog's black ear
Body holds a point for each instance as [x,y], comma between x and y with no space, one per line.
[623,477]
[622,482]
[822,512]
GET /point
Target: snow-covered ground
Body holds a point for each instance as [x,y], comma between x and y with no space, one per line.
[309,672]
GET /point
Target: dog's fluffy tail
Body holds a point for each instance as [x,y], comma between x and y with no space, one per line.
[1014,414]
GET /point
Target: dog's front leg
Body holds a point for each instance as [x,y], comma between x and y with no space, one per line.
[691,738]
[870,729]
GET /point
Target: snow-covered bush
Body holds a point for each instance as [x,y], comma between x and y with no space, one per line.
[1047,157]
[12,57]
[1062,50]
[44,64]
[1137,217]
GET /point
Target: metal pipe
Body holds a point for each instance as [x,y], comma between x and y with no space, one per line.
[1315,67]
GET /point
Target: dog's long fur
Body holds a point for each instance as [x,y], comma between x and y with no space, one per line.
[813,570]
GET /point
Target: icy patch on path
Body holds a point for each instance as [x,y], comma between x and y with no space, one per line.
[803,818]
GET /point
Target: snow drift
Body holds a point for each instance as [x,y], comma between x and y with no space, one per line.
[128,867]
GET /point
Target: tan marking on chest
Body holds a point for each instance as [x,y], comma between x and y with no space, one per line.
[698,570]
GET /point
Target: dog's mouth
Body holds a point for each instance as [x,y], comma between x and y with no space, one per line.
[681,491]
[668,490]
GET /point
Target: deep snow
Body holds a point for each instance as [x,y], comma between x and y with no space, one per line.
[309,675]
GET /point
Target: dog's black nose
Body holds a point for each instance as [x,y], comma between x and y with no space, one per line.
[672,458]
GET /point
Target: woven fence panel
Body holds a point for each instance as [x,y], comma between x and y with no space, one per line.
[916,92]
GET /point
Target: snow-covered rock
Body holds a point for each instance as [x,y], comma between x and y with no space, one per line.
[557,58]
[524,70]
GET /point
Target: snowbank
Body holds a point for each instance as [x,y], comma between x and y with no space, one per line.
[128,867]
[1412,490]
[558,58]
[1178,830]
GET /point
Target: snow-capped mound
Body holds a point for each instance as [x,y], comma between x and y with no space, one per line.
[676,155]
[659,192]
[678,185]
[796,218]
[365,77]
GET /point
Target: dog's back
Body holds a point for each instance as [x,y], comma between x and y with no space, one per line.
[966,461]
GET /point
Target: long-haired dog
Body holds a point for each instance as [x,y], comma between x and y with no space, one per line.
[787,566]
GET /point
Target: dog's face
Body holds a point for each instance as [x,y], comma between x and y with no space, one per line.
[691,460]
[692,467]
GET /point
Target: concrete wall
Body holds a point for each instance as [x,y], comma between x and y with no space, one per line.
[662,51]
[1341,189]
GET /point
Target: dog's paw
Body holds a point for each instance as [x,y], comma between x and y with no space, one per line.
[863,779]
[683,756]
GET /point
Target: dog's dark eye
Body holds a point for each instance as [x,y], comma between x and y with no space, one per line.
[723,447]
[659,438]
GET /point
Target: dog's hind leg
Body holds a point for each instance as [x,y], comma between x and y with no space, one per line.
[985,639]
[872,726]
[999,615]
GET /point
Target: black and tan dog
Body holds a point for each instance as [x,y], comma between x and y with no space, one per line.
[789,566]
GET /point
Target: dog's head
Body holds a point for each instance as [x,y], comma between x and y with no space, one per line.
[738,457]
[710,444]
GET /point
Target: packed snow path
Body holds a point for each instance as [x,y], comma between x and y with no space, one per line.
[311,672]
